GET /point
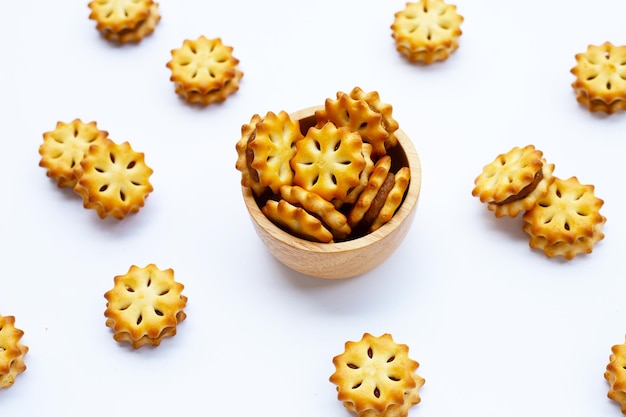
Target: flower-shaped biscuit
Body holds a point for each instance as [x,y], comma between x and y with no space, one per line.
[273,146]
[204,71]
[601,78]
[115,180]
[245,156]
[359,117]
[144,306]
[376,378]
[566,221]
[64,147]
[119,15]
[427,31]
[372,98]
[328,161]
[12,351]
[514,181]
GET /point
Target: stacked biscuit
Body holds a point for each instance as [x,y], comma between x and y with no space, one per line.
[427,31]
[144,306]
[561,217]
[125,21]
[204,71]
[600,83]
[376,378]
[111,178]
[329,182]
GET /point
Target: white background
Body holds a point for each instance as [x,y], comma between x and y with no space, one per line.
[497,327]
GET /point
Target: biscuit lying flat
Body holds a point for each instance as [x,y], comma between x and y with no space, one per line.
[144,306]
[115,180]
[601,78]
[12,351]
[427,31]
[204,71]
[566,221]
[65,147]
[615,375]
[125,21]
[376,378]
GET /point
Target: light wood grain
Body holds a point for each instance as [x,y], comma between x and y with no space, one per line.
[353,257]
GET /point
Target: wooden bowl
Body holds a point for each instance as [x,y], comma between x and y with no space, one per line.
[353,257]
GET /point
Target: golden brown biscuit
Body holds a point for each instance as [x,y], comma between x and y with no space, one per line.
[566,221]
[324,210]
[144,306]
[64,147]
[375,181]
[297,221]
[328,161]
[372,98]
[359,117]
[12,351]
[355,192]
[615,375]
[245,156]
[376,378]
[273,146]
[140,31]
[601,78]
[514,181]
[124,21]
[204,71]
[427,30]
[115,180]
[393,199]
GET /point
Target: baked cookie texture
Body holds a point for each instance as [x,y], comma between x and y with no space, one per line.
[427,31]
[12,351]
[125,21]
[513,181]
[64,148]
[145,306]
[115,180]
[204,71]
[615,375]
[376,378]
[600,82]
[330,181]
[566,221]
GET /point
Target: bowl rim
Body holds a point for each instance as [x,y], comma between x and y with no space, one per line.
[402,214]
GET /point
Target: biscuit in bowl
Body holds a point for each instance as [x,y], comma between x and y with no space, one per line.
[12,351]
[376,378]
[144,306]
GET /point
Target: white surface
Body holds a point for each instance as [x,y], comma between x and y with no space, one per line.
[498,328]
